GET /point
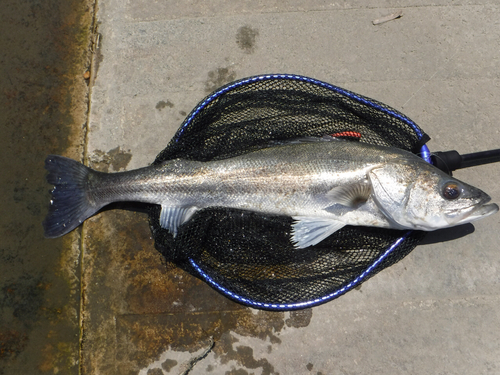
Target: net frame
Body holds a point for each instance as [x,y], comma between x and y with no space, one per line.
[249,114]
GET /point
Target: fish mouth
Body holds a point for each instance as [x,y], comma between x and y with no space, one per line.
[482,211]
[477,210]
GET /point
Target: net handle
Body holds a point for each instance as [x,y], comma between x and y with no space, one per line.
[449,161]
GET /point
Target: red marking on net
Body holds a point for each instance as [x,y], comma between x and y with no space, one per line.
[348,134]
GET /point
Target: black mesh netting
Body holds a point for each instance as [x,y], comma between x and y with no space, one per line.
[249,256]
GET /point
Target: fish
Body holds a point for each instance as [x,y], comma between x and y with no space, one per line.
[322,183]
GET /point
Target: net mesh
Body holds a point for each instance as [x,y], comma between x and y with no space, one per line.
[248,256]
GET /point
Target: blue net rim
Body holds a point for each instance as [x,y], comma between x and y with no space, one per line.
[424,153]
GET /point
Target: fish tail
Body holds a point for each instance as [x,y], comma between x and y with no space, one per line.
[69,205]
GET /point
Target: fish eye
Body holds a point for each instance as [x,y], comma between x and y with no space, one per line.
[451,191]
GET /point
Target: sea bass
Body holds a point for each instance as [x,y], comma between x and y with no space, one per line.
[322,183]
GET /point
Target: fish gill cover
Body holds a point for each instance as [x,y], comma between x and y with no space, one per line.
[248,256]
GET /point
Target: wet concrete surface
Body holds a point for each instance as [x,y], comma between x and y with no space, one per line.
[43,58]
[105,290]
[136,304]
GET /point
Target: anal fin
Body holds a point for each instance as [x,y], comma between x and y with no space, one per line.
[172,217]
[309,231]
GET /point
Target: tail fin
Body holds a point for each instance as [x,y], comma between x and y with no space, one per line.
[69,205]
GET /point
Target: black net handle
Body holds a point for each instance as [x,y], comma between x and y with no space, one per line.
[449,161]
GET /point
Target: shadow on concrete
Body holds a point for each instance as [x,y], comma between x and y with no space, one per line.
[448,234]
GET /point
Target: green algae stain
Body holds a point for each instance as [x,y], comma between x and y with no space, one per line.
[44,52]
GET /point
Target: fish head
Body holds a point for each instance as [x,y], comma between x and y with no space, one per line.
[416,195]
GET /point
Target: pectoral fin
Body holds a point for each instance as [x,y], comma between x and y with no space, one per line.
[309,231]
[172,217]
[351,195]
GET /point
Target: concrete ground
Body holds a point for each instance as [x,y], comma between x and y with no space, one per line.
[435,312]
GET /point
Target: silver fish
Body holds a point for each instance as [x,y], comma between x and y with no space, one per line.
[322,183]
